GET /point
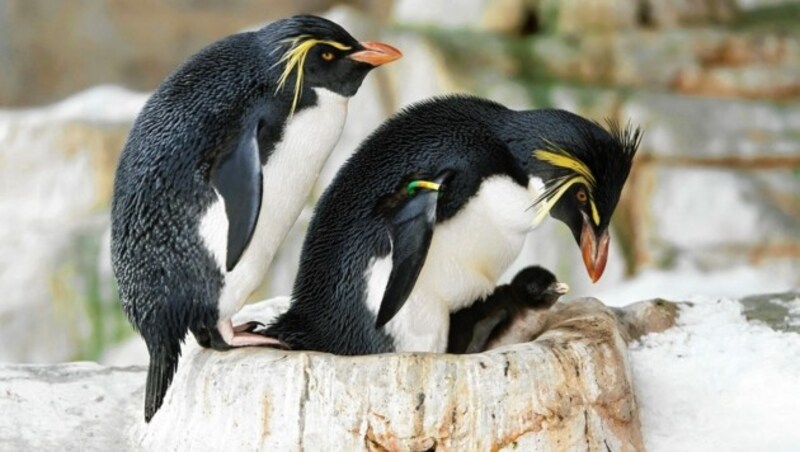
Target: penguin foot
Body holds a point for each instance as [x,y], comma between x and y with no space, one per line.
[244,338]
[247,327]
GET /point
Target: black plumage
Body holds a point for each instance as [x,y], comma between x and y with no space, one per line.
[472,138]
[205,134]
[486,321]
[350,224]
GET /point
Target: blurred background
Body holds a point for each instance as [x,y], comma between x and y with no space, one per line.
[712,206]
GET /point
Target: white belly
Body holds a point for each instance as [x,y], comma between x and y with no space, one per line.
[467,256]
[287,179]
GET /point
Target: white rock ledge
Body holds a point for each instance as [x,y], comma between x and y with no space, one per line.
[570,389]
[69,407]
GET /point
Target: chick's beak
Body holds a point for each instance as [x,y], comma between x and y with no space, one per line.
[558,288]
[376,53]
[594,250]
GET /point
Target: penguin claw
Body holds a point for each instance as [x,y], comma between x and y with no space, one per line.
[245,338]
[247,327]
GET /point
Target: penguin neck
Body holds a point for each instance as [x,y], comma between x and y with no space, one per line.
[309,136]
[525,131]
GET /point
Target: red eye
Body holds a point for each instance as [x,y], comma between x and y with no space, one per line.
[327,56]
[582,197]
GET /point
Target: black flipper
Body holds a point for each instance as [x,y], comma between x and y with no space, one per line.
[163,365]
[237,178]
[411,230]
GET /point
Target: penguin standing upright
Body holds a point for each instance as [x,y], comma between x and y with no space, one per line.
[216,169]
[431,210]
[511,314]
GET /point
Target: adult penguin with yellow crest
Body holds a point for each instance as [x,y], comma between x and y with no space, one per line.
[433,208]
[216,170]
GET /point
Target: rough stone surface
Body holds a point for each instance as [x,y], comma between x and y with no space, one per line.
[495,15]
[672,13]
[645,317]
[781,311]
[56,175]
[710,61]
[58,48]
[715,184]
[569,389]
[699,224]
[68,407]
[137,43]
[724,128]
[313,401]
[577,16]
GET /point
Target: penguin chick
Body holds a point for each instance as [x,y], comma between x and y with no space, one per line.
[433,208]
[216,169]
[511,314]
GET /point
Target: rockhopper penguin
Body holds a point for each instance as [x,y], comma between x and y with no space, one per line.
[433,208]
[511,314]
[216,170]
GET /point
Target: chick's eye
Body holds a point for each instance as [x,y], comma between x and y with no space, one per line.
[327,56]
[582,197]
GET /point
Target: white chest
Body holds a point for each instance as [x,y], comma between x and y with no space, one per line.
[467,256]
[287,179]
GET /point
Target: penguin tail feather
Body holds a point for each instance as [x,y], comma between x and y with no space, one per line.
[163,365]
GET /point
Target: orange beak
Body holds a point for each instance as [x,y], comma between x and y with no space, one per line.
[376,53]
[594,250]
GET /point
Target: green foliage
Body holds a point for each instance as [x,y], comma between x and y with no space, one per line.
[773,18]
[475,52]
[88,300]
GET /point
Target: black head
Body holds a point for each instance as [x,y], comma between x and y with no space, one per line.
[539,285]
[584,168]
[316,52]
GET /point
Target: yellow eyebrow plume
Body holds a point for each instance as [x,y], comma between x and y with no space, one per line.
[563,160]
[547,202]
[558,157]
[595,213]
[295,57]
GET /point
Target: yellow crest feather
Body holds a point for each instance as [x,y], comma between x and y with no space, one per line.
[295,59]
[549,198]
[595,213]
[560,158]
[563,160]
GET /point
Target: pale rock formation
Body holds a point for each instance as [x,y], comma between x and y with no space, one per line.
[69,407]
[570,389]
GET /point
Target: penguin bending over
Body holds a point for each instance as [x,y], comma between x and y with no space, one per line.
[510,315]
[216,169]
[431,210]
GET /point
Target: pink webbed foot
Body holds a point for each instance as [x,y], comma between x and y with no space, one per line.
[245,338]
[247,327]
